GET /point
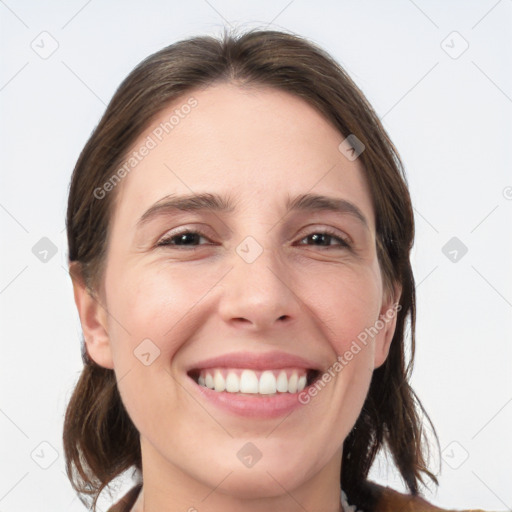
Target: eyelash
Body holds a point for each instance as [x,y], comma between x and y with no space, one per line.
[166,241]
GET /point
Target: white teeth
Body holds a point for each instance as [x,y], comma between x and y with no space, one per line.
[282,382]
[301,384]
[248,382]
[292,383]
[208,380]
[218,380]
[268,382]
[232,383]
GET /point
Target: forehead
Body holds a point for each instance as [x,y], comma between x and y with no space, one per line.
[253,143]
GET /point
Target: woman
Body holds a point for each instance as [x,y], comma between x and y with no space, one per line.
[239,230]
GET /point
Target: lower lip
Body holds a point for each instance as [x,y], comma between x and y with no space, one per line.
[253,406]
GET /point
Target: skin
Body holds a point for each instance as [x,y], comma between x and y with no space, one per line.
[258,146]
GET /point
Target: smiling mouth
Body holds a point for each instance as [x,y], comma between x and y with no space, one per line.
[254,382]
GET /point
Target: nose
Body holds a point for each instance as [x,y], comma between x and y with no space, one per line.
[259,295]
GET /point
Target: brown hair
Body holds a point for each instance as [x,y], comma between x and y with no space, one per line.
[100,440]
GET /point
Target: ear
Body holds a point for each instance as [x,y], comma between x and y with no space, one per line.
[93,317]
[387,319]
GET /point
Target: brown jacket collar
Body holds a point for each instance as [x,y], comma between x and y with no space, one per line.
[385,498]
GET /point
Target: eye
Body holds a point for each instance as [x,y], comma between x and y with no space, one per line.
[189,238]
[323,238]
[183,239]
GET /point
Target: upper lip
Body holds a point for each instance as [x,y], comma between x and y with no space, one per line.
[256,361]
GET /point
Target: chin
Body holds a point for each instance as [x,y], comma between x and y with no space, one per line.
[257,484]
[267,477]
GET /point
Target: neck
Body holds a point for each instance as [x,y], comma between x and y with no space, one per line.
[169,488]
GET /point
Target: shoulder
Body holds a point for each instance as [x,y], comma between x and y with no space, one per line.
[384,499]
[389,500]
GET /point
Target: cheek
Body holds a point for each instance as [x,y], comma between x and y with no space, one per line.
[154,309]
[345,303]
[152,314]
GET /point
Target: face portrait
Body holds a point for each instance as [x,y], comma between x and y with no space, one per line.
[241,255]
[257,256]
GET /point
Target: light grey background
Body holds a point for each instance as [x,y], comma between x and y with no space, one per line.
[448,111]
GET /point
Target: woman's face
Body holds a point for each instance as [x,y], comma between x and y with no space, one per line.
[268,274]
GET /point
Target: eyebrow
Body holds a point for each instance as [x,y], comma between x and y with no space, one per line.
[187,203]
[315,202]
[217,203]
